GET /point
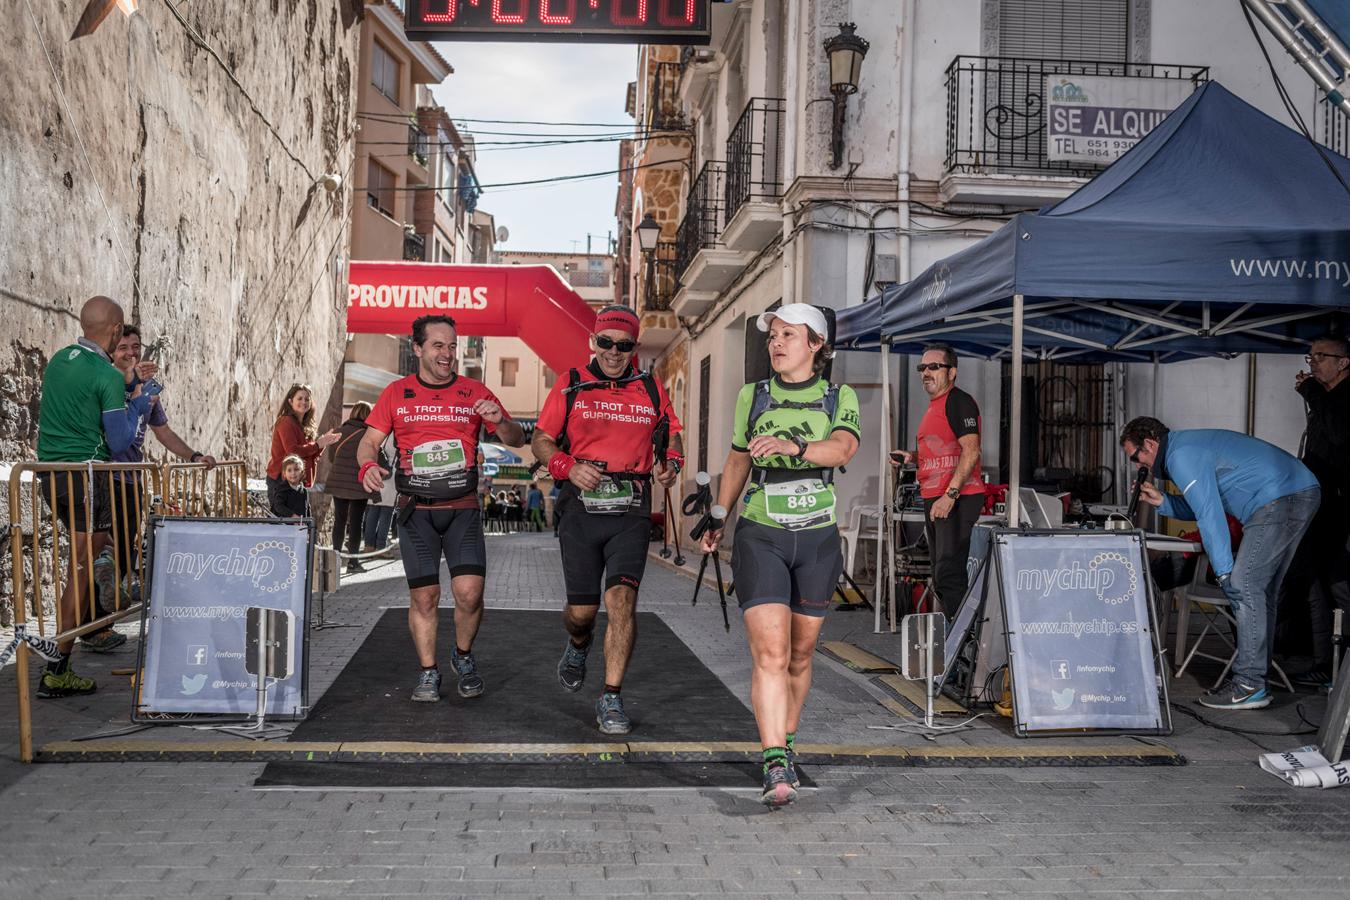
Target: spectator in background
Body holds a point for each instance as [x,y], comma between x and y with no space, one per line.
[1270,492]
[553,496]
[84,416]
[292,497]
[534,502]
[380,514]
[293,434]
[349,497]
[1321,570]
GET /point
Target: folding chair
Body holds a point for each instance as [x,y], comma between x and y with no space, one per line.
[1211,602]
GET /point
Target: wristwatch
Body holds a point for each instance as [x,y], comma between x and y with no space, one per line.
[801,445]
[953,492]
[196,455]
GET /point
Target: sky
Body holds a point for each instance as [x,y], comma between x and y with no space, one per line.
[544,83]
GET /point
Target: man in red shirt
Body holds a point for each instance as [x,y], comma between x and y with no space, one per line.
[435,415]
[949,473]
[603,432]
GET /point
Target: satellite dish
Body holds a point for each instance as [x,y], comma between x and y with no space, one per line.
[502,234]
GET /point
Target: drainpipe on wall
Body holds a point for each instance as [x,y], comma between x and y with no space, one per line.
[791,129]
[902,179]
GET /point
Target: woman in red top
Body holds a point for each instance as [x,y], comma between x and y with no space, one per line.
[293,434]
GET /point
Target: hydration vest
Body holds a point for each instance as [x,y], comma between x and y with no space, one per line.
[575,385]
[763,402]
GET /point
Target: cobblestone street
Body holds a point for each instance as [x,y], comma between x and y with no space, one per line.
[1216,826]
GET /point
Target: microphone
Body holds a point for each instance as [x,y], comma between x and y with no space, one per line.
[1139,480]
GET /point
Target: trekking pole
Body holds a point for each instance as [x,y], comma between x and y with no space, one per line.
[665,525]
[721,593]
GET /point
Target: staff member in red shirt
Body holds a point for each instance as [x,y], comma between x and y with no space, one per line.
[949,473]
[435,415]
[600,432]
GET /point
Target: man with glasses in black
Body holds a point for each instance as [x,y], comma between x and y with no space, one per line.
[949,473]
[1321,570]
[605,431]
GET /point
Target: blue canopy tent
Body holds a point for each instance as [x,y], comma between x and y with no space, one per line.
[1221,232]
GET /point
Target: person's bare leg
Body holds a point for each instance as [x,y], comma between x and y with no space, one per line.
[620,632]
[768,628]
[805,632]
[468,593]
[422,619]
[579,621]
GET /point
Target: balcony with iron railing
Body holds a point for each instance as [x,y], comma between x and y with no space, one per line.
[754,182]
[996,123]
[663,99]
[414,247]
[703,264]
[660,280]
[419,145]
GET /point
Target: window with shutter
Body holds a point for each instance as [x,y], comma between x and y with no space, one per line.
[1064,29]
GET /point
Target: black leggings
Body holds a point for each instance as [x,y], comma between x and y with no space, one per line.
[949,545]
[348,516]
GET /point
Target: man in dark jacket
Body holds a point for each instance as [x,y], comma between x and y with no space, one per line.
[1323,561]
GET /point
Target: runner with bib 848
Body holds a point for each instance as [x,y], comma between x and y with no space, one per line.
[791,432]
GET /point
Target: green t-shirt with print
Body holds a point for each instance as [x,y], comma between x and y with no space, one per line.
[798,502]
[78,387]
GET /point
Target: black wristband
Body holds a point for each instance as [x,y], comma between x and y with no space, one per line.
[801,445]
[196,455]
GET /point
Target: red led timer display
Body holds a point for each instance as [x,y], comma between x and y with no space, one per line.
[626,21]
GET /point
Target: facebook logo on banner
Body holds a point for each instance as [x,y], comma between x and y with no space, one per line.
[1059,668]
[196,655]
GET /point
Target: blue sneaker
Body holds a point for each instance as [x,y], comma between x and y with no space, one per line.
[470,682]
[572,666]
[428,688]
[609,715]
[1234,694]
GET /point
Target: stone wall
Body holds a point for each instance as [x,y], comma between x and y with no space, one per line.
[173,165]
[180,181]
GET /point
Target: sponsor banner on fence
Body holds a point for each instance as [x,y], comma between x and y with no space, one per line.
[1076,612]
[1096,118]
[206,573]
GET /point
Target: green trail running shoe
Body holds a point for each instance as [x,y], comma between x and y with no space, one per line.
[66,684]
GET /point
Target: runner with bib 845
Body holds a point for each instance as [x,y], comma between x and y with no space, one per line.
[791,432]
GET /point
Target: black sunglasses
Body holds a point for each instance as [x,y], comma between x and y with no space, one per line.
[931,367]
[608,343]
[1134,457]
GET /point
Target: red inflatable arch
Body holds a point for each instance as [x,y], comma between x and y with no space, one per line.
[532,303]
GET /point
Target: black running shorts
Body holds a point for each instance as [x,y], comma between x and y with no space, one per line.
[600,552]
[429,533]
[796,568]
[70,499]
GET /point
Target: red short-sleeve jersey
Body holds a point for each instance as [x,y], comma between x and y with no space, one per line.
[608,425]
[417,412]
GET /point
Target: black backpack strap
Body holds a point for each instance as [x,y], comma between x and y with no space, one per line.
[570,392]
[661,432]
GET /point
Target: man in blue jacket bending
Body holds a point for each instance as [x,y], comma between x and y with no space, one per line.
[1269,491]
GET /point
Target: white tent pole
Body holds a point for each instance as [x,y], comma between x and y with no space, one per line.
[883,505]
[1015,414]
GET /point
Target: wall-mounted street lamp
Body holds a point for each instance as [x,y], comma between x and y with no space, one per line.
[98,10]
[648,233]
[846,51]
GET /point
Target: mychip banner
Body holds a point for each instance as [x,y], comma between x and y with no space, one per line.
[1095,118]
[1076,612]
[204,576]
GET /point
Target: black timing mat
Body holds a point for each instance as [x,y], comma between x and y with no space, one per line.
[670,695]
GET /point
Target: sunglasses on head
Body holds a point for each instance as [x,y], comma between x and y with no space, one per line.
[608,343]
[931,367]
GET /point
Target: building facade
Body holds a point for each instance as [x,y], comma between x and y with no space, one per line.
[767,196]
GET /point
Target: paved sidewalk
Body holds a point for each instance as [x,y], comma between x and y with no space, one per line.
[1216,826]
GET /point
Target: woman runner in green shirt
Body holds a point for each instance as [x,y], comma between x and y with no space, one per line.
[790,433]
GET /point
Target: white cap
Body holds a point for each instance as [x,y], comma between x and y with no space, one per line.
[797,314]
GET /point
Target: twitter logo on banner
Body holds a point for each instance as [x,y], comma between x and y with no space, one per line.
[1062,699]
[194,684]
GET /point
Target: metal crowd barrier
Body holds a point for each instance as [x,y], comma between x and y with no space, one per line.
[133,491]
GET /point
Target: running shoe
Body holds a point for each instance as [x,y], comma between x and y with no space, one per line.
[572,666]
[65,684]
[1315,677]
[354,567]
[1236,695]
[470,682]
[609,715]
[792,767]
[779,790]
[428,688]
[105,641]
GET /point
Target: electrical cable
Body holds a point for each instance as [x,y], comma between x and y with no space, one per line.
[611,125]
[537,181]
[1245,731]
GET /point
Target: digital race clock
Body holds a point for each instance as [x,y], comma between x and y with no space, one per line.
[617,21]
